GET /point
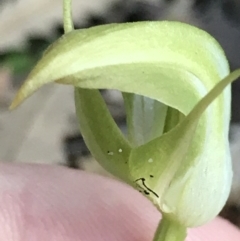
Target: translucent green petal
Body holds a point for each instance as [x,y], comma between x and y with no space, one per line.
[145,118]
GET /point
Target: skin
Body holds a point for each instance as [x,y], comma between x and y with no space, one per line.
[53,203]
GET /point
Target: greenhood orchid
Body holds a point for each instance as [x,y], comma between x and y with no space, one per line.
[175,83]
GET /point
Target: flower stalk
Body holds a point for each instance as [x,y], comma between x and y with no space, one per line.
[67,16]
[169,230]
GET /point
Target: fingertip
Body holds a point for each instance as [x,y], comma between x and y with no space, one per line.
[56,203]
[217,230]
[41,202]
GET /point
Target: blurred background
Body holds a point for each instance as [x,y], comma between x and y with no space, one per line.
[44,128]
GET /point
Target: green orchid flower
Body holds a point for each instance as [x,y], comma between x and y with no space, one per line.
[175,83]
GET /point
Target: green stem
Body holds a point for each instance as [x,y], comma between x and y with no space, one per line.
[67,16]
[169,230]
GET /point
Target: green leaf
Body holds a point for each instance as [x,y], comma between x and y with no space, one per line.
[19,62]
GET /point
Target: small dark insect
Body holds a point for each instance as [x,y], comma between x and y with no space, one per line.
[146,192]
[150,190]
